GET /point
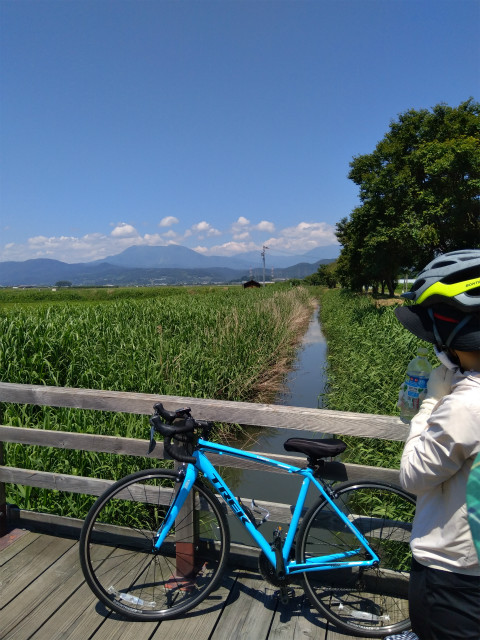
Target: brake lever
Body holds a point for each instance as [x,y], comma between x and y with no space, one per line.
[152,444]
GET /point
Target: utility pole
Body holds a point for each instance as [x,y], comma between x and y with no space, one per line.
[263,258]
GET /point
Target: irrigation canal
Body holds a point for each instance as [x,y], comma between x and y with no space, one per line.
[303,387]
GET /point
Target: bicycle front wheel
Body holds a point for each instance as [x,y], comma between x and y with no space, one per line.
[118,555]
[371,602]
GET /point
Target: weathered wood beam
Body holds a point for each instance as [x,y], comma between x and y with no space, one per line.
[245,413]
[134,447]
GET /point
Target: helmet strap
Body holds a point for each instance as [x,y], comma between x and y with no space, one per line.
[444,345]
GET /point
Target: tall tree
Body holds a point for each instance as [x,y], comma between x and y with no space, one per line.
[419,193]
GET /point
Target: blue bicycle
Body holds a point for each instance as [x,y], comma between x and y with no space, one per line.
[156,543]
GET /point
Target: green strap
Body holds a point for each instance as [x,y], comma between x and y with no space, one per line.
[473,502]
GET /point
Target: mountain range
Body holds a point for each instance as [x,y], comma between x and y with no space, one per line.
[172,264]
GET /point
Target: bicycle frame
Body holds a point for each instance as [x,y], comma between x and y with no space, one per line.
[203,464]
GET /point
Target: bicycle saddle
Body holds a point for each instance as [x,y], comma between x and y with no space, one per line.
[316,448]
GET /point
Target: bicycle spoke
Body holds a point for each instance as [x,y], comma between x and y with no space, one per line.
[373,600]
[121,563]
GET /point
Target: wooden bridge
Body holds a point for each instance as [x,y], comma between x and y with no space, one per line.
[42,592]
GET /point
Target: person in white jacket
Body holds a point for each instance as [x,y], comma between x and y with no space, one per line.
[444,439]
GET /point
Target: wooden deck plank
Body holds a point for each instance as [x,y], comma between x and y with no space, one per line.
[10,549]
[44,596]
[27,566]
[249,610]
[333,634]
[78,616]
[199,623]
[295,620]
[116,628]
[52,602]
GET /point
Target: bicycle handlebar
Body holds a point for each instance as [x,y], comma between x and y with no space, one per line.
[163,421]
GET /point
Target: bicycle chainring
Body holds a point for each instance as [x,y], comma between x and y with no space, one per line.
[268,572]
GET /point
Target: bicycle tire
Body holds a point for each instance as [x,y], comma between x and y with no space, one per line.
[370,602]
[117,553]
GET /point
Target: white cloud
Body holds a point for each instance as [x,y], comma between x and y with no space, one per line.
[240,226]
[92,246]
[243,225]
[200,227]
[124,230]
[264,225]
[153,239]
[298,239]
[231,248]
[205,229]
[303,237]
[168,221]
[242,237]
[321,231]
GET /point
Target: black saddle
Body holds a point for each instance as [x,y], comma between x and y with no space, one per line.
[316,448]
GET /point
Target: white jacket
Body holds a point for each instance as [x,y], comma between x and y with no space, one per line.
[441,446]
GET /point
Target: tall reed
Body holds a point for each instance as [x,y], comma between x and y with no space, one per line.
[368,352]
[223,343]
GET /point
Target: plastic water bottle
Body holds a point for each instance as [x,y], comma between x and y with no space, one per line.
[415,385]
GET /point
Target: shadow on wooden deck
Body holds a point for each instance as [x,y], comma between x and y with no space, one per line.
[43,597]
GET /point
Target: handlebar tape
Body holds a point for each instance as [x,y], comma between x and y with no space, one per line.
[171,431]
[175,454]
[163,422]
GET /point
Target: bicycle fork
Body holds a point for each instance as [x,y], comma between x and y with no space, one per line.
[189,474]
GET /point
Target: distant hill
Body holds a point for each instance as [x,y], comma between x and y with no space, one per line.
[175,256]
[150,266]
[172,257]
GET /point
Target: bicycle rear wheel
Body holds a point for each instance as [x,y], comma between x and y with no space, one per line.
[370,602]
[120,562]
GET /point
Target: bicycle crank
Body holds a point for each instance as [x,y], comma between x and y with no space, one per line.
[269,574]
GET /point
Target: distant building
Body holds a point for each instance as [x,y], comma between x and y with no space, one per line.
[250,284]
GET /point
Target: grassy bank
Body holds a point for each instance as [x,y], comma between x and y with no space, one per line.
[224,343]
[368,352]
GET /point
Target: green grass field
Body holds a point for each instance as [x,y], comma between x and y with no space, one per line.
[204,342]
[368,353]
[210,342]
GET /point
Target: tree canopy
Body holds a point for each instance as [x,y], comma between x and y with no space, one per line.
[419,194]
[325,276]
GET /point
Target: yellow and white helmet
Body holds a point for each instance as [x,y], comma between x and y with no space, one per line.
[452,278]
[447,297]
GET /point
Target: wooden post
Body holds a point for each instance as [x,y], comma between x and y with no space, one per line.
[3,500]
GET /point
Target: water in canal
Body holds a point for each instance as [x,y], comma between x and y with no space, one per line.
[303,387]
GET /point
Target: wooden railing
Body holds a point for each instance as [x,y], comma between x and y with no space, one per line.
[318,421]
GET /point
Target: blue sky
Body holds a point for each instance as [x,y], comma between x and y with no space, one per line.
[218,125]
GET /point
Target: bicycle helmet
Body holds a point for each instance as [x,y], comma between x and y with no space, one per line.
[452,278]
[447,297]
